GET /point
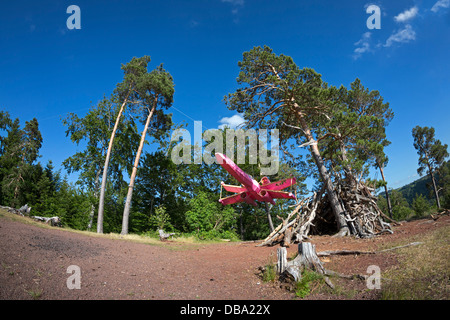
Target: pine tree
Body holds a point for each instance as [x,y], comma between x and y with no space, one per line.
[125,92]
[154,94]
[432,154]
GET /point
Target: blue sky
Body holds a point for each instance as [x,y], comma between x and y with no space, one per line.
[48,70]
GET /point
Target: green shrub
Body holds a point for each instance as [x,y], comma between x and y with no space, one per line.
[420,205]
[303,286]
[216,235]
[269,273]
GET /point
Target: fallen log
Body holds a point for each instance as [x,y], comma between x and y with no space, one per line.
[24,210]
[164,236]
[53,221]
[356,252]
[343,253]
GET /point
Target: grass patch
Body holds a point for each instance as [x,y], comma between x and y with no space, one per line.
[35,293]
[423,271]
[179,242]
[269,272]
[309,279]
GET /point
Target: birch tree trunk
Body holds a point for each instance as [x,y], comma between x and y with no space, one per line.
[91,215]
[126,211]
[269,217]
[105,170]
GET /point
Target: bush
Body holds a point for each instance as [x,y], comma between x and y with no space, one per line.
[161,219]
[208,217]
[216,235]
[269,273]
[302,287]
[420,205]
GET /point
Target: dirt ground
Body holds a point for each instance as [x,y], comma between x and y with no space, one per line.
[34,263]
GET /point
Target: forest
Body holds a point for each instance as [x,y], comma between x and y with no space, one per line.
[127,182]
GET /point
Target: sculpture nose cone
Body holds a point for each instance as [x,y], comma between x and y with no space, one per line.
[220,158]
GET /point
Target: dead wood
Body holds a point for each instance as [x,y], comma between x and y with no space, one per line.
[307,258]
[314,215]
[53,221]
[164,236]
[356,252]
[23,211]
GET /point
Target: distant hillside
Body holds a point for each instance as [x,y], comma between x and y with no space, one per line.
[419,186]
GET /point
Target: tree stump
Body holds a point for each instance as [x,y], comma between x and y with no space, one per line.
[306,258]
[282,260]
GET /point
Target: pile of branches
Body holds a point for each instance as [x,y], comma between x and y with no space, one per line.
[314,215]
[363,216]
[296,227]
[23,211]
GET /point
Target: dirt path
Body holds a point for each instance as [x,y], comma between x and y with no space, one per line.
[34,262]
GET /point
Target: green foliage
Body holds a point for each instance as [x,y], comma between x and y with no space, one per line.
[419,186]
[19,151]
[303,286]
[269,273]
[207,214]
[94,130]
[420,205]
[444,183]
[161,219]
[431,151]
[400,208]
[432,154]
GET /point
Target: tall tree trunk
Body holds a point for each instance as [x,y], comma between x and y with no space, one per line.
[436,194]
[105,170]
[388,197]
[241,224]
[91,215]
[269,217]
[336,206]
[126,211]
[347,169]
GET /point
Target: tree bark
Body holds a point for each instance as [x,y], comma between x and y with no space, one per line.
[337,208]
[126,211]
[436,194]
[241,224]
[269,217]
[388,198]
[347,169]
[91,215]
[105,170]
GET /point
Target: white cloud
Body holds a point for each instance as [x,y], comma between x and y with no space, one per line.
[235,2]
[407,15]
[404,35]
[231,122]
[440,4]
[363,45]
